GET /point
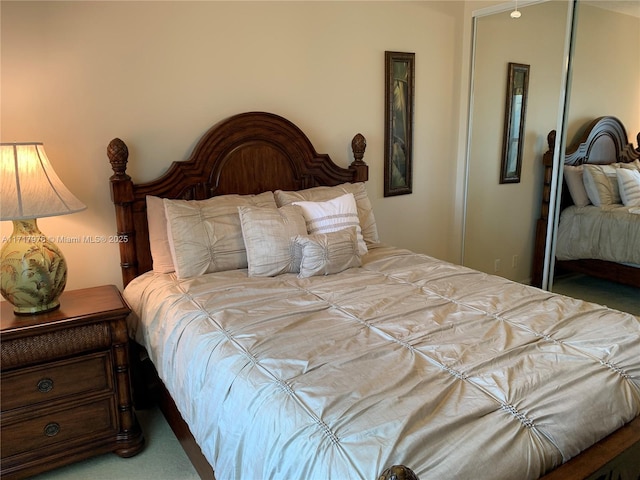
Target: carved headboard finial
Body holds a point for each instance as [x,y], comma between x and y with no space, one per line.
[118,154]
[551,139]
[358,145]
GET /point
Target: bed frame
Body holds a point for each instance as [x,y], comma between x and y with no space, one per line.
[603,141]
[250,153]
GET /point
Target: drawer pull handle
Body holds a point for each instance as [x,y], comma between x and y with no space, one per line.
[45,385]
[52,429]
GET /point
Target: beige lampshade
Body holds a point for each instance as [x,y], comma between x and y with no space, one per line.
[29,186]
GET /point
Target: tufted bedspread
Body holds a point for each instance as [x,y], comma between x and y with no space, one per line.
[406,360]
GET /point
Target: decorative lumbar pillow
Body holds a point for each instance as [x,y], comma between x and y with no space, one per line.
[629,183]
[322,194]
[333,215]
[601,184]
[206,236]
[329,253]
[575,184]
[269,237]
[158,236]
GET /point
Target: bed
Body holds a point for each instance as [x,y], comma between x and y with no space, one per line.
[599,229]
[385,364]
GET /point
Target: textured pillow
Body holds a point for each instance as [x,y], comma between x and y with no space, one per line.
[206,236]
[321,194]
[629,183]
[601,184]
[269,237]
[158,236]
[333,215]
[328,253]
[575,184]
[635,165]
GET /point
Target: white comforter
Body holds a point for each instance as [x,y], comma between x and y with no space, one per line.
[407,360]
[611,233]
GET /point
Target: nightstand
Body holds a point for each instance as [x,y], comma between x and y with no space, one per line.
[66,388]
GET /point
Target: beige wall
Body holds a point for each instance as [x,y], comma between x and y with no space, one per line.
[158,74]
[74,75]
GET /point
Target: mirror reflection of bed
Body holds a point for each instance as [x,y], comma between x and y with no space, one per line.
[597,246]
[602,49]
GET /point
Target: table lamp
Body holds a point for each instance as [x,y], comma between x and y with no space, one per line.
[34,271]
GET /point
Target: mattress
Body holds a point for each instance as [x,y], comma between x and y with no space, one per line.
[610,232]
[405,360]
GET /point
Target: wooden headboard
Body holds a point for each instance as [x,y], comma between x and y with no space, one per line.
[247,153]
[601,141]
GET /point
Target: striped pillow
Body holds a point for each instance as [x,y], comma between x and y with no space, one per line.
[332,216]
[629,184]
[601,184]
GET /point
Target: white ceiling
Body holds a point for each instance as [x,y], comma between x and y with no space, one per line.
[628,7]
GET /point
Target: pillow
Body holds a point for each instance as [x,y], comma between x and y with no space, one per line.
[328,253]
[206,236]
[333,215]
[601,184]
[575,184]
[635,165]
[321,194]
[158,236]
[629,183]
[269,237]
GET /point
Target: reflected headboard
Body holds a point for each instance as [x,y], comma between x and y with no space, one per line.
[247,153]
[602,141]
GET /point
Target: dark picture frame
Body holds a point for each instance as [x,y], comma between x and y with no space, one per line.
[514,119]
[398,122]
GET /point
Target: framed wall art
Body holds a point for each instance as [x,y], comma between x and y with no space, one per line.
[399,93]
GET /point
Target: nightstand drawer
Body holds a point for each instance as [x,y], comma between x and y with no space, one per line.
[45,383]
[58,427]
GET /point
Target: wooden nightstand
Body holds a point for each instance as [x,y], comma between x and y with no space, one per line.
[66,389]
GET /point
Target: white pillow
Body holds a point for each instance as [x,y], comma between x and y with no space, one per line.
[322,194]
[158,236]
[206,236]
[601,184]
[328,253]
[333,215]
[269,237]
[575,184]
[629,183]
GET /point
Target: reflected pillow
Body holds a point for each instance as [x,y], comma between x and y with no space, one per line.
[575,184]
[328,253]
[601,184]
[635,165]
[269,237]
[629,184]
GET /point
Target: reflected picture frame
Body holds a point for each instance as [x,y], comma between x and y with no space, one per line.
[399,105]
[514,121]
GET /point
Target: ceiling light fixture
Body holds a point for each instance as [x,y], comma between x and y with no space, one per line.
[516,13]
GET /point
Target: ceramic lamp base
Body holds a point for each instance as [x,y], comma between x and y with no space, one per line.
[34,271]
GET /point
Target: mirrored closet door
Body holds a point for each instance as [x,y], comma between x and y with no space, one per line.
[500,218]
